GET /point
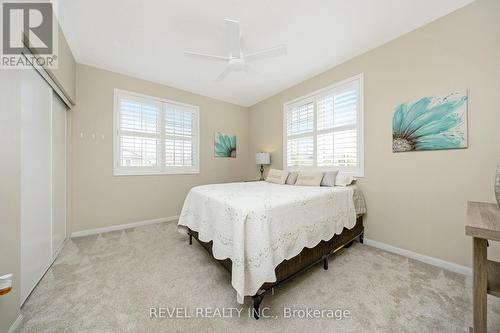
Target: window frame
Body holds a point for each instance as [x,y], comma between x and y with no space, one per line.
[160,169]
[314,97]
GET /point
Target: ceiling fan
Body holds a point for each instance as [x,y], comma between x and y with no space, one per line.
[237,60]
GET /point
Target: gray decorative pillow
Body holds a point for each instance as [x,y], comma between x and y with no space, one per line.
[292,178]
[329,178]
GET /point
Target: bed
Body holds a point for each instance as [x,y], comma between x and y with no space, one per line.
[266,233]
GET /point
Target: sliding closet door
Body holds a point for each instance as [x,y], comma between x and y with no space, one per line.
[58,174]
[36,247]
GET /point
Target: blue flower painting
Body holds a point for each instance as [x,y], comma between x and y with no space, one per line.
[430,123]
[225,145]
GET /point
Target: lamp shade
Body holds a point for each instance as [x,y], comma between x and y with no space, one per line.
[263,158]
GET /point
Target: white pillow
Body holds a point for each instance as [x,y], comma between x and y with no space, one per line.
[329,178]
[344,180]
[309,178]
[277,176]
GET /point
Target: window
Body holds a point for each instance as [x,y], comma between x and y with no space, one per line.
[324,130]
[154,136]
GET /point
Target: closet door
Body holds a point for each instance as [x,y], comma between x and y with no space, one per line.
[58,174]
[36,246]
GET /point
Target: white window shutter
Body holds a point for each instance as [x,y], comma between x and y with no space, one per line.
[301,151]
[154,136]
[139,132]
[300,119]
[323,131]
[180,138]
[345,141]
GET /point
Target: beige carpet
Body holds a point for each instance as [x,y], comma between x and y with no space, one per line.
[109,282]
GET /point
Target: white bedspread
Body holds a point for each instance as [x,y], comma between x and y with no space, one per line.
[258,224]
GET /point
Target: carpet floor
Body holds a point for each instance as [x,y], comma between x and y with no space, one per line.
[130,281]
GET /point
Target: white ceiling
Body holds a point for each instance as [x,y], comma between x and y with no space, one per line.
[146,38]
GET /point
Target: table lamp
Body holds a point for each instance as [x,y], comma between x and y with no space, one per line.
[262,159]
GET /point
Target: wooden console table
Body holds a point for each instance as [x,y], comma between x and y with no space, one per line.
[483,224]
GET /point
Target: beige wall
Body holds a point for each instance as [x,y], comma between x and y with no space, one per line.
[98,198]
[10,191]
[417,201]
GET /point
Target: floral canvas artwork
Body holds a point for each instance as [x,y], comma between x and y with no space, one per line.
[431,123]
[225,145]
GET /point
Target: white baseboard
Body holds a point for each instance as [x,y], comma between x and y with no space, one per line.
[14,328]
[420,257]
[123,226]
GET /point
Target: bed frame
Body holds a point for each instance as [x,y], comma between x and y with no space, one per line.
[307,258]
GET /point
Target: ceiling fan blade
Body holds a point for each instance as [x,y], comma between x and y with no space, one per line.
[206,56]
[234,35]
[271,52]
[223,74]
